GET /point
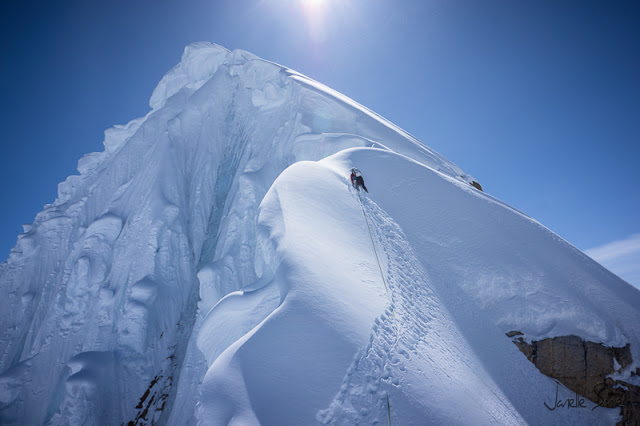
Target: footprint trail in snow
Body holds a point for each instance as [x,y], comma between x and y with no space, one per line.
[379,367]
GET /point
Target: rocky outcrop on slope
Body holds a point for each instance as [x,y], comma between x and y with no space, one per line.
[477,185]
[583,367]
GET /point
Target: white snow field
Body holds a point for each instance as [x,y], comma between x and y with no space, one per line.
[214,266]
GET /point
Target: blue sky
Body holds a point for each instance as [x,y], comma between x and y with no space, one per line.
[540,101]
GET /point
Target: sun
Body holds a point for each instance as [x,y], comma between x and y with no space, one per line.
[314,3]
[314,13]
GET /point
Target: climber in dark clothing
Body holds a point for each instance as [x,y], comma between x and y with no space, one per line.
[356,179]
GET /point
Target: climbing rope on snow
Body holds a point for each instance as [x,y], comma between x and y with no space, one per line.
[384,281]
[373,244]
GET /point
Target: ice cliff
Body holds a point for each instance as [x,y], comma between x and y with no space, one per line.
[213,266]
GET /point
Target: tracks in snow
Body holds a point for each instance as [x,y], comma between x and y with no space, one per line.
[396,335]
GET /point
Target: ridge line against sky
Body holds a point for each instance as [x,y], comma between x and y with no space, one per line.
[539,101]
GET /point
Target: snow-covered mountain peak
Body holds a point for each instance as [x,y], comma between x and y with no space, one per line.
[199,62]
[215,265]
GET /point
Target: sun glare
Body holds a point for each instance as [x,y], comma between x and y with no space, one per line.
[319,19]
[313,6]
[312,2]
[314,12]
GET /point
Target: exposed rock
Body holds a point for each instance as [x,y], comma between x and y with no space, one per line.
[562,358]
[623,356]
[476,185]
[583,367]
[631,410]
[527,349]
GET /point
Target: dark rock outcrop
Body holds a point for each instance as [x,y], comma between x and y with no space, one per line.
[476,185]
[583,367]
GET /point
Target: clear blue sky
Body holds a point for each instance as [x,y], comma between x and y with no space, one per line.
[539,100]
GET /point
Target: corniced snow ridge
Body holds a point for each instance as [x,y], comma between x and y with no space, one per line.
[213,266]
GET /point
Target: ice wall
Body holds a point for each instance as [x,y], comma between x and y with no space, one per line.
[155,230]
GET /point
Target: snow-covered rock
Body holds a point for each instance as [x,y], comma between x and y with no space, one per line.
[213,265]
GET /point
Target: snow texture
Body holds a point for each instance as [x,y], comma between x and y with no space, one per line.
[214,266]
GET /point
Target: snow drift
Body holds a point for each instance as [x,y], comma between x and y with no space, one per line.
[214,266]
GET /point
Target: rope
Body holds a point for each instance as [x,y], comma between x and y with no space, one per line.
[388,410]
[373,244]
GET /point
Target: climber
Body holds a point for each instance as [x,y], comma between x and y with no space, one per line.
[356,179]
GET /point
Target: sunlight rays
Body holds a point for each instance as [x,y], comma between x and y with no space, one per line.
[315,13]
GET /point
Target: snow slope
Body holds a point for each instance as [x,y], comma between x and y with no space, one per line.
[214,266]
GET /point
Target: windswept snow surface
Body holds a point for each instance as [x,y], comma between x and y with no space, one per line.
[214,266]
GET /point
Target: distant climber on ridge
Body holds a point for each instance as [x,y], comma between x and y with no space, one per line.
[356,179]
